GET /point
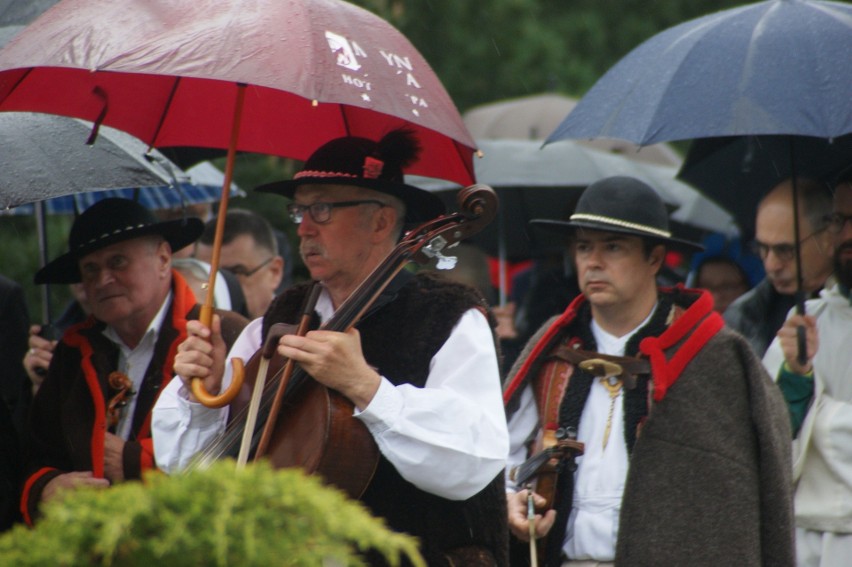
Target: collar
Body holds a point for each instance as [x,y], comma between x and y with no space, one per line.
[151,332]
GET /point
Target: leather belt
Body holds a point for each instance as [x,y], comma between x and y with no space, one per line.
[604,365]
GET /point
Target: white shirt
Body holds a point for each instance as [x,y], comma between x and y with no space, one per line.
[134,362]
[601,473]
[448,438]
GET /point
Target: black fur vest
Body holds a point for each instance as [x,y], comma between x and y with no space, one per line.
[400,334]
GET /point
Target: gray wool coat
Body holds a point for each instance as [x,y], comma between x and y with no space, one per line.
[710,478]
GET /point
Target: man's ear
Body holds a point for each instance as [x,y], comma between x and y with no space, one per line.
[384,222]
[164,258]
[276,266]
[657,257]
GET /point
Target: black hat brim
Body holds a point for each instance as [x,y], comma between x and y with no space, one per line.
[65,269]
[420,205]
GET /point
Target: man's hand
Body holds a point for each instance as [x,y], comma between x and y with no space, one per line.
[787,338]
[519,524]
[335,360]
[202,355]
[71,480]
[38,357]
[114,458]
[505,315]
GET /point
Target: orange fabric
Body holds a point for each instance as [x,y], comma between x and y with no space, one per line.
[25,497]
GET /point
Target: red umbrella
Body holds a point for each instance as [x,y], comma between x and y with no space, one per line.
[278,77]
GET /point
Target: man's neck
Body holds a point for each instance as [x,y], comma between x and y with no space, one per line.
[619,320]
[132,330]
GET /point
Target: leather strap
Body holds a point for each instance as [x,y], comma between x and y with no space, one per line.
[627,369]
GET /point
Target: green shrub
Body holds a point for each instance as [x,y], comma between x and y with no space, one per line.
[257,516]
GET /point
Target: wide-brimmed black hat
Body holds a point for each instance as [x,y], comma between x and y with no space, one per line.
[624,205]
[108,222]
[366,163]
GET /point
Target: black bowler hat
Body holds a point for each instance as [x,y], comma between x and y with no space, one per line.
[366,163]
[624,205]
[108,222]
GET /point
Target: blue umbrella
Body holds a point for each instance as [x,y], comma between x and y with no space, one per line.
[201,183]
[779,67]
[774,67]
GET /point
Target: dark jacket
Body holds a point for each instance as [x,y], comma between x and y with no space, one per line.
[758,314]
[67,419]
[710,475]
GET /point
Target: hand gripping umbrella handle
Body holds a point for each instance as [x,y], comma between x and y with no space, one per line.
[237,376]
[206,316]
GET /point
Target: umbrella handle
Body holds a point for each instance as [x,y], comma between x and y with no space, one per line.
[206,315]
[237,376]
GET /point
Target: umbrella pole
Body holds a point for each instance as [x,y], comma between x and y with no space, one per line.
[206,315]
[801,338]
[501,262]
[41,228]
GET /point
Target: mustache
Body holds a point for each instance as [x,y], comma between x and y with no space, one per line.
[306,248]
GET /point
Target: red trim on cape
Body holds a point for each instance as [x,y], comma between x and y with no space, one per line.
[704,324]
[75,339]
[566,317]
[25,493]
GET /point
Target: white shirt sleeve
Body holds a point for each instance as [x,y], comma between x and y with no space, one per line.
[448,438]
[180,429]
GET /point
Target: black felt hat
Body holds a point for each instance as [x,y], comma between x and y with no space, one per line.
[366,163]
[624,205]
[108,222]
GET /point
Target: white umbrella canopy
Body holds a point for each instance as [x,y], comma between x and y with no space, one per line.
[534,117]
[535,182]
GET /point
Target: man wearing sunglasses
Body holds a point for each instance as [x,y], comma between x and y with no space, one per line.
[760,312]
[819,395]
[420,366]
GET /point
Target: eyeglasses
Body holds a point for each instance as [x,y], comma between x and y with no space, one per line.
[240,270]
[321,211]
[836,222]
[785,251]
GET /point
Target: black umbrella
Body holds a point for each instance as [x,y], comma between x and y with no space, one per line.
[738,170]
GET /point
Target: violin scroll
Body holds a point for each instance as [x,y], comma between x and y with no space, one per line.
[121,382]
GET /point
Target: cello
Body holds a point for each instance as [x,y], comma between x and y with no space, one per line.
[302,423]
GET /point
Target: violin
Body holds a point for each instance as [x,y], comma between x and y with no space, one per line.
[121,382]
[540,474]
[542,468]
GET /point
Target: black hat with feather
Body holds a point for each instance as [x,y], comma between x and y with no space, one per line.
[366,163]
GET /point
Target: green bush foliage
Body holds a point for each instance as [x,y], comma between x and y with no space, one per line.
[219,516]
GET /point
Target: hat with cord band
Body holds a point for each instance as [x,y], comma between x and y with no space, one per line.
[108,222]
[624,205]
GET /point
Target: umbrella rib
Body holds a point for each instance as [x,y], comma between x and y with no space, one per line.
[343,117]
[162,120]
[17,83]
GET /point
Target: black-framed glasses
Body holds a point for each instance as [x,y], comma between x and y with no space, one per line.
[836,222]
[321,211]
[785,251]
[240,270]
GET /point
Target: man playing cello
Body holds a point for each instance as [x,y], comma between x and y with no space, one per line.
[420,366]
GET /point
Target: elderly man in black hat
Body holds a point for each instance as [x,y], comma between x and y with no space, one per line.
[90,420]
[685,457]
[420,367]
